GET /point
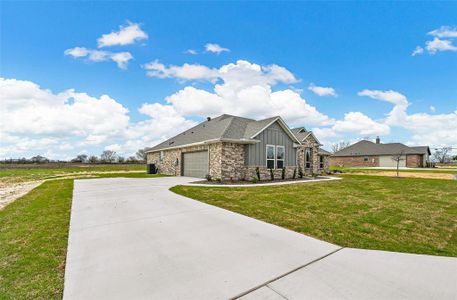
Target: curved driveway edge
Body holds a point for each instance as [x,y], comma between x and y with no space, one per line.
[134,239]
[327,178]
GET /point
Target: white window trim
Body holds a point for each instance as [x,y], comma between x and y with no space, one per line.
[161,155]
[276,156]
[266,156]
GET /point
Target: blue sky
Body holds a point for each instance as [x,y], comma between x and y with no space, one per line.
[347,46]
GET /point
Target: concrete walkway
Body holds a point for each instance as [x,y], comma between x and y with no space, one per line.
[134,239]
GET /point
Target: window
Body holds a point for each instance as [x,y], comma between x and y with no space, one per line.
[321,161]
[307,158]
[280,154]
[162,154]
[365,158]
[270,156]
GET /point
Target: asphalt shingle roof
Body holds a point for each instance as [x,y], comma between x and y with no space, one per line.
[323,152]
[370,148]
[222,127]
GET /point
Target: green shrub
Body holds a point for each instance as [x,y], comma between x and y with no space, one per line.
[254,179]
[272,174]
[295,173]
[208,177]
[300,172]
[257,172]
[283,173]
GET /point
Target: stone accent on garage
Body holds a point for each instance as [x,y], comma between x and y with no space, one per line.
[233,165]
[354,161]
[414,161]
[171,162]
[215,160]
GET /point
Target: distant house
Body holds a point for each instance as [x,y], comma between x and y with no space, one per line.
[231,147]
[369,154]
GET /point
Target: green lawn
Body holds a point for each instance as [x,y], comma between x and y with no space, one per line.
[33,240]
[372,212]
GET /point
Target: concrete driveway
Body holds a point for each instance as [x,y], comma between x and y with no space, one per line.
[134,239]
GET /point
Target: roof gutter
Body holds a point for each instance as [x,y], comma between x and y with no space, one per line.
[212,141]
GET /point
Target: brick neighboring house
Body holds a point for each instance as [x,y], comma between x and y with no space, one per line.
[369,154]
[231,147]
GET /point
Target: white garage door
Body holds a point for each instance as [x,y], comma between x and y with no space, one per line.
[388,162]
[195,164]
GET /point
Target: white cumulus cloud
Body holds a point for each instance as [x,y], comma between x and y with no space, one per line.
[426,129]
[442,41]
[240,88]
[124,36]
[437,45]
[444,32]
[215,48]
[322,91]
[120,58]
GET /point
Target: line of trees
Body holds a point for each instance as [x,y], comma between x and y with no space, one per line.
[106,157]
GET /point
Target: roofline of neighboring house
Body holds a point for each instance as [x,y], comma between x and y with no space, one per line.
[283,125]
[212,141]
[377,154]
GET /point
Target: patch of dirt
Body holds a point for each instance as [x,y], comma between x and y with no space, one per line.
[12,188]
[10,193]
[408,174]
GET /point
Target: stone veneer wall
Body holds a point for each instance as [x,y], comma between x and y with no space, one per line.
[326,163]
[168,165]
[265,173]
[414,161]
[309,143]
[233,165]
[215,160]
[354,161]
[226,161]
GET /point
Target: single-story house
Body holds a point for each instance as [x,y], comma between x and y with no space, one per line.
[369,154]
[231,147]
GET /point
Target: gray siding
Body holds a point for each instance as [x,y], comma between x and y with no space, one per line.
[273,135]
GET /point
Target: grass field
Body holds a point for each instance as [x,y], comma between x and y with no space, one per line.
[33,240]
[372,212]
[30,172]
[398,214]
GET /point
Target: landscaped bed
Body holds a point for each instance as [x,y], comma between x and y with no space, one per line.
[386,213]
[257,182]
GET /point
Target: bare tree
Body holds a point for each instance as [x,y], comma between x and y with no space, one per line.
[120,159]
[81,158]
[131,160]
[141,154]
[442,155]
[339,146]
[398,158]
[39,159]
[108,156]
[93,159]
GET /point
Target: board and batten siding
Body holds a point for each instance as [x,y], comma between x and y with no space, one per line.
[255,154]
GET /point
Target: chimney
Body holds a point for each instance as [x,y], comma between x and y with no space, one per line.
[208,119]
[378,140]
